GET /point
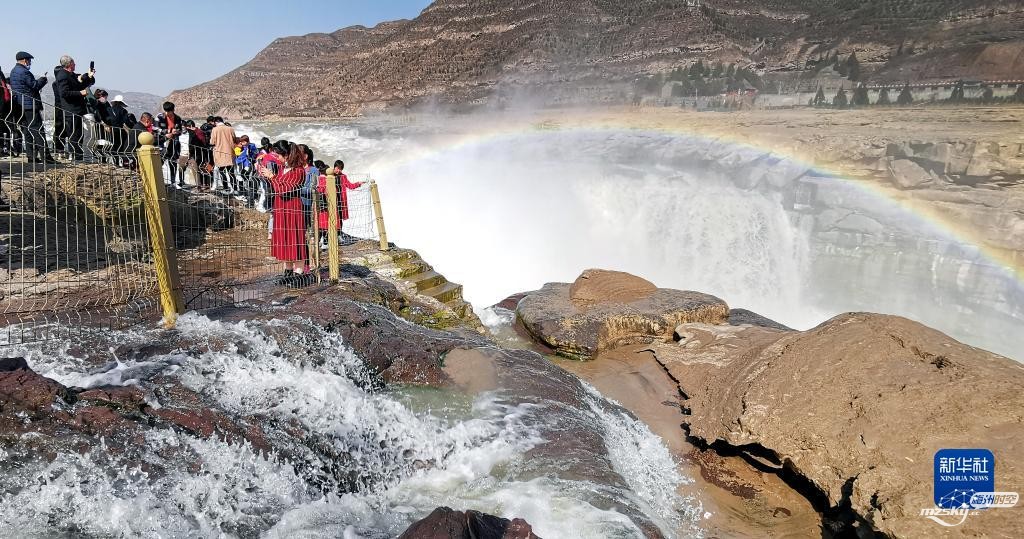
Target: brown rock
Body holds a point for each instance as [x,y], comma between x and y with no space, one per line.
[446,523]
[128,398]
[908,174]
[858,406]
[580,330]
[602,286]
[23,390]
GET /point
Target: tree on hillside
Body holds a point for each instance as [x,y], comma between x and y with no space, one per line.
[731,71]
[697,70]
[839,66]
[905,98]
[853,67]
[883,97]
[718,69]
[819,98]
[840,101]
[860,96]
[1019,95]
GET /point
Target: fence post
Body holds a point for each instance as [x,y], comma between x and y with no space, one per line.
[158,216]
[314,241]
[333,253]
[375,197]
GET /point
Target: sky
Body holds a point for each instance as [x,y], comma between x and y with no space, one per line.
[159,46]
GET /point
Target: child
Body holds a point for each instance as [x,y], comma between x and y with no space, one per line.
[343,185]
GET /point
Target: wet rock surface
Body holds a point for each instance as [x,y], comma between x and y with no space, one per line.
[604,310]
[446,523]
[857,407]
[139,387]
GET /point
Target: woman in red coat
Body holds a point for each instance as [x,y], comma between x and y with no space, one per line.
[288,237]
[343,186]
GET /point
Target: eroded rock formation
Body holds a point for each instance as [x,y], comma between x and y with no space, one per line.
[603,310]
[853,410]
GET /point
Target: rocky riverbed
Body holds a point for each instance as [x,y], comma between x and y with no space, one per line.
[849,414]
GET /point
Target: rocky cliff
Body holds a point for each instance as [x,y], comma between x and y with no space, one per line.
[850,413]
[552,52]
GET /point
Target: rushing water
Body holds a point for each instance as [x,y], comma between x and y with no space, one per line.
[410,451]
[506,214]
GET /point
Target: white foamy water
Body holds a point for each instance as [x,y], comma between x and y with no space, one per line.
[507,214]
[407,460]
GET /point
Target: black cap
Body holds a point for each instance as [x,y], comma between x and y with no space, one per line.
[23,56]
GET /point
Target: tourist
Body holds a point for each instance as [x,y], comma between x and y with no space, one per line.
[268,157]
[73,89]
[25,88]
[199,152]
[102,113]
[186,155]
[288,237]
[343,185]
[245,160]
[308,190]
[170,127]
[223,140]
[145,123]
[207,129]
[119,124]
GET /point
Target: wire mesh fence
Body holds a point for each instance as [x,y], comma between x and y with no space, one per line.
[75,245]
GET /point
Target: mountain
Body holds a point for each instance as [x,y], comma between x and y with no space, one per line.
[139,102]
[459,54]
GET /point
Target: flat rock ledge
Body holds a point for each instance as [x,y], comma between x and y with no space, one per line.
[856,409]
[604,310]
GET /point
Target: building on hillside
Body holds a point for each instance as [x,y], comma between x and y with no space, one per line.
[934,91]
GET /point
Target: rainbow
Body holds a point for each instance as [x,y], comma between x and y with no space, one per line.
[925,213]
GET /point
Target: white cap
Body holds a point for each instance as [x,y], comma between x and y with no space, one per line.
[117,98]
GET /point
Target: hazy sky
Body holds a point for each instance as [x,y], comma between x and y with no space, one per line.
[158,46]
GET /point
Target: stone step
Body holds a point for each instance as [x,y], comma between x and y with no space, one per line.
[445,292]
[459,307]
[405,269]
[426,280]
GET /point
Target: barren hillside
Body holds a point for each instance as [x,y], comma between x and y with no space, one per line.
[459,54]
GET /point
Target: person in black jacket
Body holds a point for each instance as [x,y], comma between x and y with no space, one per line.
[170,127]
[102,132]
[73,89]
[119,126]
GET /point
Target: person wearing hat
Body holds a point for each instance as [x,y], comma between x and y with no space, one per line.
[118,123]
[25,87]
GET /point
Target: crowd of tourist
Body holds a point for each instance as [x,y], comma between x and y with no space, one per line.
[280,177]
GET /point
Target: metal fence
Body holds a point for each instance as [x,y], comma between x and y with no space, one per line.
[95,228]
